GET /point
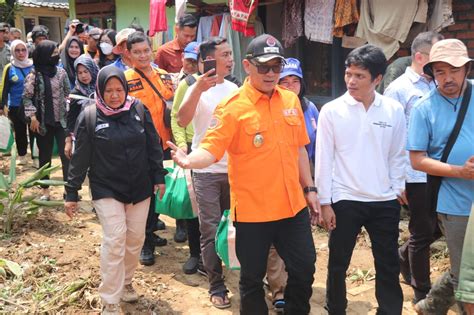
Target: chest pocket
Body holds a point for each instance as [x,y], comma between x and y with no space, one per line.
[292,129]
[256,137]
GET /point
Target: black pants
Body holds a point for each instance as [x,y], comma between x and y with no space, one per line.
[194,236]
[151,221]
[20,129]
[293,241]
[380,219]
[424,230]
[45,147]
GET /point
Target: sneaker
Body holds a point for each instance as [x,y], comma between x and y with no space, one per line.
[159,241]
[129,294]
[279,306]
[22,160]
[191,266]
[147,256]
[110,309]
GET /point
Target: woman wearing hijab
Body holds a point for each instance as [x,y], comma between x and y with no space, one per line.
[122,155]
[106,44]
[81,96]
[14,75]
[44,98]
[74,48]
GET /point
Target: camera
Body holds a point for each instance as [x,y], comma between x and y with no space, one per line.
[80,28]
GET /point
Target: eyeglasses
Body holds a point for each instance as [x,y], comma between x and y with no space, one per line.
[264,69]
[20,50]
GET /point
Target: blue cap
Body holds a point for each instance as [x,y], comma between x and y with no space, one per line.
[191,51]
[292,67]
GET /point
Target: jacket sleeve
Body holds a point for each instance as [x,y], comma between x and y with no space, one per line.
[80,160]
[28,94]
[179,133]
[72,115]
[5,86]
[154,150]
[465,291]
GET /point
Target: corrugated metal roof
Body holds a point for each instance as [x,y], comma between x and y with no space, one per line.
[44,4]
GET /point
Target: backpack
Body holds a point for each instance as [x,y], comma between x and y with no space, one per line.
[90,115]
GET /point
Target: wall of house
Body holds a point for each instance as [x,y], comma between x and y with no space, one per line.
[36,13]
[463,29]
[139,10]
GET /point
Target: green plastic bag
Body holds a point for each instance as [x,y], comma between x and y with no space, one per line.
[225,242]
[6,135]
[175,202]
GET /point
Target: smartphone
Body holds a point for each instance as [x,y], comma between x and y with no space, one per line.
[210,64]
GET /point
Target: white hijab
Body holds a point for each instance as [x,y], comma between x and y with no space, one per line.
[17,62]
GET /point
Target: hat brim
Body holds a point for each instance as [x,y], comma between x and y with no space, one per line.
[117,48]
[453,61]
[190,56]
[266,58]
[291,72]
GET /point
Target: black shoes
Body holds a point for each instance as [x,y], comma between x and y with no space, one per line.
[159,241]
[160,225]
[147,256]
[191,266]
[180,236]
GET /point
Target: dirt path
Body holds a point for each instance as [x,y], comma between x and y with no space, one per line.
[56,252]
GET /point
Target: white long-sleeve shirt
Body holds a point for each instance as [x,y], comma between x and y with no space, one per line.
[360,155]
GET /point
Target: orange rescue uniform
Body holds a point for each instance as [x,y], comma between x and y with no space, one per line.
[262,137]
[139,88]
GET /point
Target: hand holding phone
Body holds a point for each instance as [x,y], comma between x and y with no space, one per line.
[210,64]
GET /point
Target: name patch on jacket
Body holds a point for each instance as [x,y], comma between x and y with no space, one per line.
[290,112]
[101,126]
[135,85]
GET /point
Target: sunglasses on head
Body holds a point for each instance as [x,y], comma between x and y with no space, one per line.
[264,69]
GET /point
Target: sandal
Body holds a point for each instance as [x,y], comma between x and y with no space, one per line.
[220,300]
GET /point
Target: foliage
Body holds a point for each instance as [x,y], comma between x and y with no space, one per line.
[13,203]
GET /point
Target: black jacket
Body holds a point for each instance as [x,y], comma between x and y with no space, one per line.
[75,108]
[123,156]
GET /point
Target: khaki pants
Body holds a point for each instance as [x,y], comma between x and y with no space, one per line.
[276,275]
[123,227]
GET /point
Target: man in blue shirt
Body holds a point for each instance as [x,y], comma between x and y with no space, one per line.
[431,122]
[407,89]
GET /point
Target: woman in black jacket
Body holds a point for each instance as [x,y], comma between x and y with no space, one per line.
[121,152]
[82,95]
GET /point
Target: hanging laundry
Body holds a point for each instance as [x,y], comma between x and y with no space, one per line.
[216,25]
[318,20]
[386,23]
[292,21]
[180,9]
[345,13]
[244,14]
[442,15]
[158,21]
[225,25]
[204,28]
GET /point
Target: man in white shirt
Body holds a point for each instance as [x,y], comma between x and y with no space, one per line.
[415,253]
[360,173]
[211,184]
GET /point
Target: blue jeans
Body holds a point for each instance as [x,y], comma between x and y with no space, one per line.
[380,219]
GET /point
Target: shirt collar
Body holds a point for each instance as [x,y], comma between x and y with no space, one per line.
[253,94]
[415,77]
[175,45]
[349,100]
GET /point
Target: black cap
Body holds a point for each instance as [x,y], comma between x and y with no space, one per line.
[39,30]
[264,48]
[4,27]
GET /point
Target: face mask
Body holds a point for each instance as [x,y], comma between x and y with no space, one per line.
[53,61]
[106,48]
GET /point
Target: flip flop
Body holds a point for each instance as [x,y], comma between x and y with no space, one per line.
[220,300]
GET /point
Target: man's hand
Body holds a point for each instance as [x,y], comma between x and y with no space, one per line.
[402,198]
[184,148]
[314,208]
[71,208]
[206,81]
[68,147]
[34,125]
[161,188]
[328,218]
[178,155]
[467,170]
[468,308]
[72,29]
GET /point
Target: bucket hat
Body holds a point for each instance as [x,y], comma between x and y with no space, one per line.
[452,51]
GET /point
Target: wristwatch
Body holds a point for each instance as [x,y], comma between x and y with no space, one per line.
[308,189]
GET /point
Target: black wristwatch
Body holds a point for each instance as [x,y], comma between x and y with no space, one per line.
[308,189]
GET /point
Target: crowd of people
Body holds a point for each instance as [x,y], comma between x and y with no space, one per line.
[260,148]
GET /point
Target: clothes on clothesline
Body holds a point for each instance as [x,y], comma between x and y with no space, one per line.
[318,20]
[292,21]
[244,14]
[158,21]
